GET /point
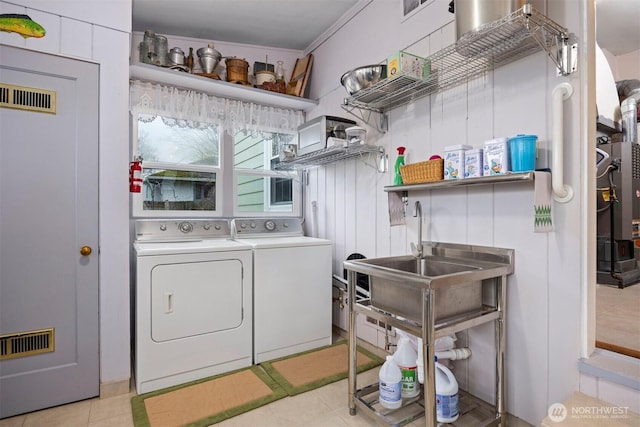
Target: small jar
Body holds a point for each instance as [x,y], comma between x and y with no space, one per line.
[162,50]
[176,56]
[148,48]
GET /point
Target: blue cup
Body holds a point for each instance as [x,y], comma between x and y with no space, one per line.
[523,152]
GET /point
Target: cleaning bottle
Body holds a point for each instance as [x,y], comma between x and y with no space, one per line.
[397,179]
[390,384]
[405,357]
[446,395]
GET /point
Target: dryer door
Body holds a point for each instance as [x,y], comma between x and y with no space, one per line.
[195,298]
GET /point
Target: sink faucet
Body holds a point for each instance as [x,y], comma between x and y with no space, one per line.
[417,213]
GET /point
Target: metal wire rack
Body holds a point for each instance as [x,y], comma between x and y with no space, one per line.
[493,45]
[330,155]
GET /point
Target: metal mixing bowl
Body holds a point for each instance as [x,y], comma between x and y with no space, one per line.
[363,77]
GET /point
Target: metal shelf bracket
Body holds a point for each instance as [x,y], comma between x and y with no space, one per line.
[553,39]
[380,119]
[568,58]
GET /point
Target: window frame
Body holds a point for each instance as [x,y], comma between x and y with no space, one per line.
[267,174]
[226,197]
[137,199]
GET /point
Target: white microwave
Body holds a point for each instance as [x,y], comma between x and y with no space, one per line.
[313,135]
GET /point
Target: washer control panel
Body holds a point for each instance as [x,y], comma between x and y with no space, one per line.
[176,229]
[267,227]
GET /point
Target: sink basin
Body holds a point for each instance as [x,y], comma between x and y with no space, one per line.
[455,275]
[429,266]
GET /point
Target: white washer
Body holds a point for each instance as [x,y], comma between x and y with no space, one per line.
[192,302]
[291,286]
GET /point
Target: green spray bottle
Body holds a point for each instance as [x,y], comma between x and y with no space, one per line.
[397,179]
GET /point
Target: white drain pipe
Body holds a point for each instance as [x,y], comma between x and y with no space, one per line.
[454,354]
[561,192]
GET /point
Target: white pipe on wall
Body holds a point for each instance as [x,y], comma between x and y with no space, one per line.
[314,219]
[561,192]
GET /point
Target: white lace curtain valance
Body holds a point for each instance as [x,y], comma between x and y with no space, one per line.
[181,107]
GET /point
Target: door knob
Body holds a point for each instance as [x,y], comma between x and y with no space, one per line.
[85,250]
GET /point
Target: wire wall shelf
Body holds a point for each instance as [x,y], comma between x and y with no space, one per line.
[493,45]
[330,155]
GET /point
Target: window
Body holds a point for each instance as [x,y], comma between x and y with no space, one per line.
[260,188]
[210,156]
[181,166]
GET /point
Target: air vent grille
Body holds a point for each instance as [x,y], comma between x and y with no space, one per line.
[635,161]
[26,343]
[27,98]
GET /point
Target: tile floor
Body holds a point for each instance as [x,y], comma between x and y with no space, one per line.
[617,321]
[326,407]
[583,411]
[323,407]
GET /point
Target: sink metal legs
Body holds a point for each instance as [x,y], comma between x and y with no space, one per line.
[501,299]
[495,415]
[353,367]
[428,357]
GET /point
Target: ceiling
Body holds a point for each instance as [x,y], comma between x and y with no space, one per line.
[288,24]
[618,25]
[296,24]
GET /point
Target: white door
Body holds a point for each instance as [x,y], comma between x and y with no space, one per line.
[48,213]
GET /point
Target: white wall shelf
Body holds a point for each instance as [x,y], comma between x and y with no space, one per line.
[152,73]
[450,183]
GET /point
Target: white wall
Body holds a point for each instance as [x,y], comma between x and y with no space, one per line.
[100,34]
[625,66]
[115,14]
[544,294]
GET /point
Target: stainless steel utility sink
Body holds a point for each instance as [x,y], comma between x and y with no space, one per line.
[428,266]
[458,278]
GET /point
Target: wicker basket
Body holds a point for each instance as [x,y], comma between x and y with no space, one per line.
[417,173]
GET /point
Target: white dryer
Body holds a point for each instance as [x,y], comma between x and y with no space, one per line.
[192,302]
[291,286]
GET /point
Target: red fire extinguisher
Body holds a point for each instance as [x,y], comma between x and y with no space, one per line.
[135,175]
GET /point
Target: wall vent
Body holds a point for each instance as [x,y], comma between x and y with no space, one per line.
[27,98]
[635,161]
[26,343]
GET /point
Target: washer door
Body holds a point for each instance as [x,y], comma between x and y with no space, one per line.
[190,299]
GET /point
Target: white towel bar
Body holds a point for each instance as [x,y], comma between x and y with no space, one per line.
[561,192]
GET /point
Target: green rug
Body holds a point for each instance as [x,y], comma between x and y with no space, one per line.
[315,368]
[207,401]
[211,400]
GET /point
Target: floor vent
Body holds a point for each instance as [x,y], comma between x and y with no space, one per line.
[26,343]
[27,98]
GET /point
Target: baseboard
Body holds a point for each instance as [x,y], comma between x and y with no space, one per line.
[611,377]
[380,352]
[114,388]
[613,367]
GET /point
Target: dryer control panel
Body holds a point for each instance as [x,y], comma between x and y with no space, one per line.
[256,227]
[178,229]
